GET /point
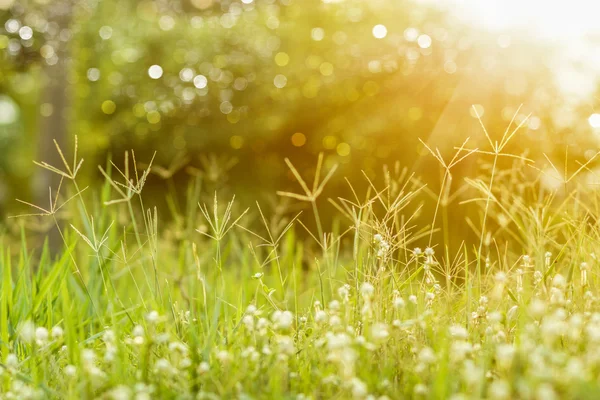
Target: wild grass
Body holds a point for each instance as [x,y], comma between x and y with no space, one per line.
[228,302]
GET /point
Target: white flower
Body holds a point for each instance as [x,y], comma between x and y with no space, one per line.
[334,305]
[504,355]
[379,332]
[282,319]
[223,356]
[41,335]
[344,292]
[366,289]
[109,336]
[427,355]
[88,356]
[162,365]
[152,317]
[359,388]
[399,302]
[420,389]
[335,321]
[27,332]
[203,367]
[499,390]
[248,321]
[70,370]
[559,281]
[459,332]
[286,345]
[57,333]
[120,392]
[320,316]
[12,361]
[138,331]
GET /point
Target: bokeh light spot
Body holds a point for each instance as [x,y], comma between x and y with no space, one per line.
[424,41]
[343,149]
[317,34]
[379,31]
[282,59]
[280,81]
[329,142]
[105,32]
[477,111]
[226,107]
[594,120]
[200,81]
[298,139]
[326,69]
[153,117]
[155,71]
[236,142]
[108,107]
[371,88]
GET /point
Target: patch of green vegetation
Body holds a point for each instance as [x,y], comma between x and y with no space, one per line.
[228,302]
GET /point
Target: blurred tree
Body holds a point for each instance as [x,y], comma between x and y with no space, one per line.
[264,79]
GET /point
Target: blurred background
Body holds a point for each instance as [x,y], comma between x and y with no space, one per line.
[229,88]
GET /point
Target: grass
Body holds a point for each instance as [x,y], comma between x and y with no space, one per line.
[225,302]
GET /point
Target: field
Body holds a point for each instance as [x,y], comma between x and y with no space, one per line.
[209,308]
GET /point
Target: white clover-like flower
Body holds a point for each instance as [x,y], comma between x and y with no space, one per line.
[335,321]
[559,281]
[344,292]
[282,320]
[399,302]
[224,357]
[334,305]
[248,322]
[120,392]
[286,345]
[88,356]
[70,370]
[427,355]
[163,366]
[359,388]
[504,355]
[420,389]
[367,290]
[12,361]
[458,332]
[57,333]
[138,331]
[320,316]
[251,309]
[41,335]
[203,367]
[152,317]
[27,332]
[379,332]
[499,390]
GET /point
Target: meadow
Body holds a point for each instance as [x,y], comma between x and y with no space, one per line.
[255,303]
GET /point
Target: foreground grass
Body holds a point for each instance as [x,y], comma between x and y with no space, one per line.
[209,308]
